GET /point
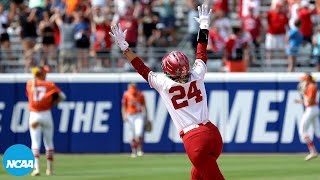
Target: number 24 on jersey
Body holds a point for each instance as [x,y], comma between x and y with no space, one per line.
[193,91]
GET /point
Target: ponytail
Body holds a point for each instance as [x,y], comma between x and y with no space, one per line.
[34,82]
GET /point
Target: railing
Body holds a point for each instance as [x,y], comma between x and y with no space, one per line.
[87,61]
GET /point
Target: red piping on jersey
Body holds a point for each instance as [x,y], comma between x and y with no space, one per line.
[202,52]
[140,67]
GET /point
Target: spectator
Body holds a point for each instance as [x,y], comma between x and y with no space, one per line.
[144,4]
[28,23]
[245,5]
[82,37]
[122,6]
[130,22]
[293,41]
[161,40]
[102,43]
[71,6]
[277,22]
[294,9]
[236,51]
[252,24]
[14,5]
[98,3]
[161,37]
[275,2]
[167,17]
[306,27]
[4,36]
[222,5]
[60,5]
[193,26]
[47,33]
[318,6]
[120,10]
[316,47]
[223,24]
[149,21]
[83,8]
[217,43]
[67,59]
[39,6]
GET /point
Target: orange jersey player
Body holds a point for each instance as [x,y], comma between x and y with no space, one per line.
[134,112]
[133,100]
[308,90]
[42,96]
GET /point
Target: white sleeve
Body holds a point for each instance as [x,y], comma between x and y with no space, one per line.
[199,69]
[156,81]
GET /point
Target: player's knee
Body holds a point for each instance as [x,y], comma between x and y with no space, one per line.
[34,125]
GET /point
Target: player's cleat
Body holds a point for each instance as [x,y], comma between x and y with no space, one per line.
[311,156]
[140,153]
[49,172]
[133,155]
[35,173]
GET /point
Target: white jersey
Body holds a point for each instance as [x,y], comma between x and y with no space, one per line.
[186,103]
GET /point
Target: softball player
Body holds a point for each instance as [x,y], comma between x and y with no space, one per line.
[184,94]
[134,112]
[308,90]
[42,95]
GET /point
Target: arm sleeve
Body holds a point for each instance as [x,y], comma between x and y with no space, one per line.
[199,69]
[202,45]
[140,67]
[156,81]
[52,88]
[311,92]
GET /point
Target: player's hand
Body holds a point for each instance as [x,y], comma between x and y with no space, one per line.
[298,101]
[204,16]
[119,37]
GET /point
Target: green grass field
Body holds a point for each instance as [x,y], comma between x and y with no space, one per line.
[176,167]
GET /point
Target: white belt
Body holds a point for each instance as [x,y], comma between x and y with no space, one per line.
[193,126]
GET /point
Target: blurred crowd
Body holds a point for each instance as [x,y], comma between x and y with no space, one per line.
[282,29]
[69,32]
[72,35]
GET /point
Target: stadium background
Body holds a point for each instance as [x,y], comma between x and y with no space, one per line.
[254,111]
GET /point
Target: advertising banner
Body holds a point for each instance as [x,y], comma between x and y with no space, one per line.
[255,112]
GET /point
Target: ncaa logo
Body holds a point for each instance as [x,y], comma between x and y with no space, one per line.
[18,160]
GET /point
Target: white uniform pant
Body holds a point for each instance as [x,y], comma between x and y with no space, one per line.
[310,118]
[45,121]
[136,123]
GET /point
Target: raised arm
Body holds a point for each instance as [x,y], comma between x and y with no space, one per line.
[119,37]
[203,33]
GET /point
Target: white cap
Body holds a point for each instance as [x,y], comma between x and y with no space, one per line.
[304,3]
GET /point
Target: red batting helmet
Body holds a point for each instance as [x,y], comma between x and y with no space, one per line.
[175,64]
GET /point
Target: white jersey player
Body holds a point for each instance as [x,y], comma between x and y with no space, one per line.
[186,102]
[183,91]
